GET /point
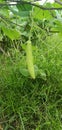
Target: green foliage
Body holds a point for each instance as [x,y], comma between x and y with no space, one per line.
[11,33]
[27,103]
[14,15]
[41,14]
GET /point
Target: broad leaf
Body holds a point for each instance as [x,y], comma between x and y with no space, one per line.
[11,33]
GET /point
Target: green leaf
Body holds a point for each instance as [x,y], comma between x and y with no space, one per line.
[58,26]
[2,1]
[37,13]
[25,7]
[42,74]
[56,5]
[18,12]
[41,14]
[59,16]
[24,72]
[11,33]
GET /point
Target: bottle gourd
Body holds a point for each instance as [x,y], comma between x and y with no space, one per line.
[29,59]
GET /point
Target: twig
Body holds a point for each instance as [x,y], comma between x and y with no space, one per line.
[29,3]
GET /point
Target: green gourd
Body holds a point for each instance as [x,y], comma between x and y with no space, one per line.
[29,59]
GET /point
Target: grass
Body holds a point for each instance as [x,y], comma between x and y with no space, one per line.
[27,104]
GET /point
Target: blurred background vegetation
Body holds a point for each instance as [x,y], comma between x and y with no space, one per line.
[27,103]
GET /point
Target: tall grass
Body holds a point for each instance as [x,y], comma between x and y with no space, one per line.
[27,104]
